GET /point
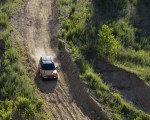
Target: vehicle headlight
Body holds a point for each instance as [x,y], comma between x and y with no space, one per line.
[55,72]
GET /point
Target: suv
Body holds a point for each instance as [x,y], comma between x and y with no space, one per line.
[47,68]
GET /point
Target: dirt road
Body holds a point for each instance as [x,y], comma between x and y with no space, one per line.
[33,26]
[56,94]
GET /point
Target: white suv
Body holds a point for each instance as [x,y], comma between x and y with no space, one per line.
[47,68]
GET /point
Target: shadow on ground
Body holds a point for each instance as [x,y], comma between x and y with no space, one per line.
[45,85]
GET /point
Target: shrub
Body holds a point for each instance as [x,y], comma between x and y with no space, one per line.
[107,46]
[137,57]
[145,42]
[24,109]
[3,19]
[94,81]
[27,109]
[6,108]
[124,33]
[64,2]
[11,54]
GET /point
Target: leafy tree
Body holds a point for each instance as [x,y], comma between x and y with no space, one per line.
[107,46]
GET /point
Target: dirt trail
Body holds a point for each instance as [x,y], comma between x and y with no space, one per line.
[38,13]
[69,98]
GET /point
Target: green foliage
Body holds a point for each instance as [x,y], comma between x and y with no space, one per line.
[25,109]
[12,55]
[3,19]
[136,57]
[117,117]
[6,108]
[107,46]
[125,33]
[145,43]
[80,35]
[94,81]
[64,2]
[17,92]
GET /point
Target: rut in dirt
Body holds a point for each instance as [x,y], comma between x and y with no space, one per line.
[34,26]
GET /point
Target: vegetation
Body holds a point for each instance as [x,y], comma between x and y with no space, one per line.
[89,33]
[107,46]
[17,90]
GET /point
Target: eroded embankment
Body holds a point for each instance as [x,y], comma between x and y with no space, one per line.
[82,93]
[68,98]
[131,87]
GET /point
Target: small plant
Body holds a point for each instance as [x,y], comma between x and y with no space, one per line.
[3,19]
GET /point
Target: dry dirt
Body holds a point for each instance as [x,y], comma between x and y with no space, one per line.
[130,86]
[33,25]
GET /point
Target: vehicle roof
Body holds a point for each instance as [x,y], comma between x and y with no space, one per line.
[46,60]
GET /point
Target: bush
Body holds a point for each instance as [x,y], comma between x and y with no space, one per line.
[6,108]
[107,46]
[94,81]
[3,19]
[145,42]
[11,54]
[25,109]
[124,33]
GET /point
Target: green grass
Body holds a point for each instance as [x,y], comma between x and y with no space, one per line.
[142,72]
[137,62]
[18,99]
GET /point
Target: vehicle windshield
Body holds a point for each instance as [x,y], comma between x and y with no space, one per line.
[48,66]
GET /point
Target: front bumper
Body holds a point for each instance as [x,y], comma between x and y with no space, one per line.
[49,76]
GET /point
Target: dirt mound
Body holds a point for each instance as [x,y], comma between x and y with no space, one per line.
[131,87]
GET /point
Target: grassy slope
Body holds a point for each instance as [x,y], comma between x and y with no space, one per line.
[17,91]
[131,28]
[79,30]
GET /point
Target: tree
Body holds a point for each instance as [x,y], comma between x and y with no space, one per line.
[107,46]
